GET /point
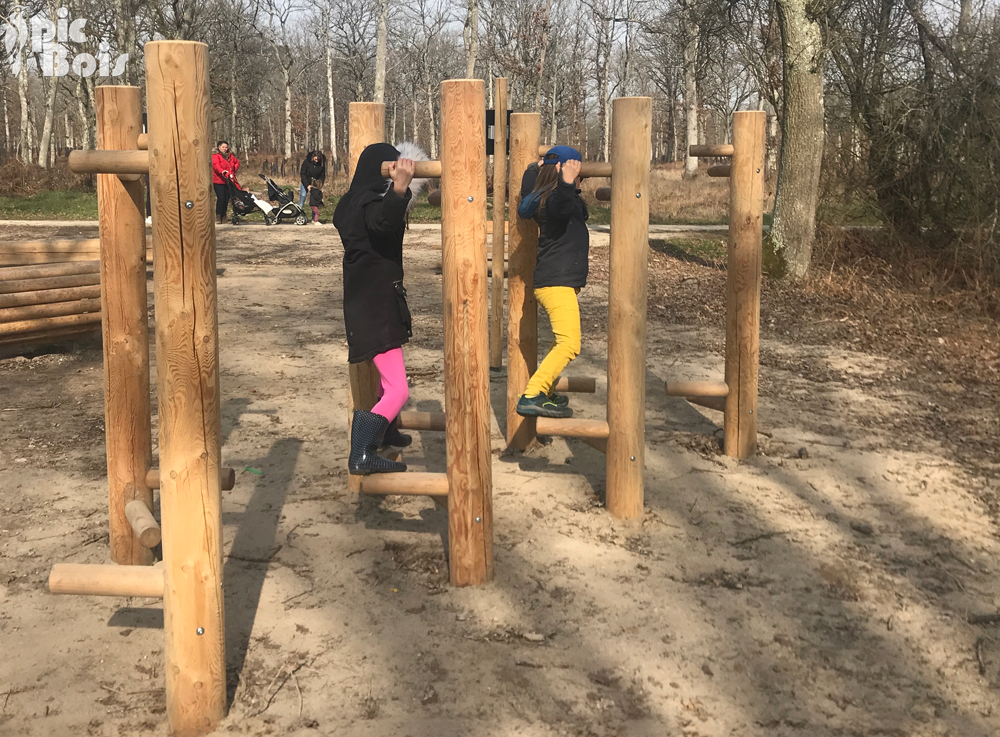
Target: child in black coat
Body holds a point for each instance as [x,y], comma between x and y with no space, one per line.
[315,199]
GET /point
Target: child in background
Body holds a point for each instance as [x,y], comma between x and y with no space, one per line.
[371,220]
[315,200]
[550,194]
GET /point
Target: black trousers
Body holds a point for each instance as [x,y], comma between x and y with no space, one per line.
[221,199]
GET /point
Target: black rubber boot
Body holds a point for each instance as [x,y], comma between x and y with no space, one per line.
[367,430]
[394,438]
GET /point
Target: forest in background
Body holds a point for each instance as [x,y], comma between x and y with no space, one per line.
[880,112]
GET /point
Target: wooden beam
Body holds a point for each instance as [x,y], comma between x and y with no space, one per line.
[106,580]
[46,271]
[577,384]
[434,198]
[630,155]
[522,309]
[109,162]
[49,296]
[499,222]
[724,149]
[422,421]
[142,143]
[696,388]
[227,478]
[408,482]
[719,170]
[600,444]
[49,324]
[572,427]
[423,169]
[366,125]
[746,208]
[466,331]
[15,286]
[178,101]
[54,309]
[603,194]
[143,524]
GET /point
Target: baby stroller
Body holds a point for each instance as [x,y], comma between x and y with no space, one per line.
[245,202]
[287,206]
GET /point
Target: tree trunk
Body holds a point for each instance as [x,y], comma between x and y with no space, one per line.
[380,49]
[470,35]
[6,121]
[232,98]
[392,127]
[50,111]
[555,89]
[691,33]
[306,140]
[541,58]
[430,122]
[288,114]
[24,152]
[81,104]
[331,102]
[794,227]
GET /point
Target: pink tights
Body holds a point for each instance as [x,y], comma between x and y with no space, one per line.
[393,390]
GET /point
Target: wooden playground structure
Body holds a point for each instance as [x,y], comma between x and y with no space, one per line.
[176,156]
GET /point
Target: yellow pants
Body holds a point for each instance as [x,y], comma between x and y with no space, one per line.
[564,314]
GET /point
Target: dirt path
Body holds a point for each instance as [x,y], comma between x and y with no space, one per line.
[821,589]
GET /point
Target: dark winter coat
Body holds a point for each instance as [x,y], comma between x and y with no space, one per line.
[315,197]
[563,238]
[313,169]
[371,220]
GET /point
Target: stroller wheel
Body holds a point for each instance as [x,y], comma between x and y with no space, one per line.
[235,220]
[300,219]
[270,220]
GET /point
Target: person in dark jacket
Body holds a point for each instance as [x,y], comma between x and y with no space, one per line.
[314,167]
[550,194]
[315,200]
[371,220]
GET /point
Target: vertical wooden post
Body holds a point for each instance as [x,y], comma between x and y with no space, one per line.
[630,155]
[466,347]
[366,125]
[187,357]
[746,206]
[522,309]
[121,210]
[499,222]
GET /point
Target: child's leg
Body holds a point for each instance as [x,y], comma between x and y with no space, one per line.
[564,314]
[315,210]
[395,391]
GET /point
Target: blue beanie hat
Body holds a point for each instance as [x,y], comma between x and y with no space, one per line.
[561,154]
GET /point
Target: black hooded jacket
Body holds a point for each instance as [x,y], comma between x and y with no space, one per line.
[313,169]
[563,238]
[371,220]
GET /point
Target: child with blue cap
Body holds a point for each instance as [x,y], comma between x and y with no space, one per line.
[550,195]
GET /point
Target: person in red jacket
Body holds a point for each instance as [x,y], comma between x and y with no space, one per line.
[224,168]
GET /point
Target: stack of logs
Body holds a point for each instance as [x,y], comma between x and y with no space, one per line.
[48,303]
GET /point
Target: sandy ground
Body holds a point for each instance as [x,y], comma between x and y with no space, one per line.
[820,589]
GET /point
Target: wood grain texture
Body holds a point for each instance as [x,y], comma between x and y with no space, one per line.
[630,157]
[47,271]
[15,286]
[143,523]
[109,162]
[409,420]
[466,357]
[48,324]
[366,125]
[746,205]
[121,208]
[187,356]
[421,169]
[722,149]
[696,388]
[227,478]
[571,427]
[499,221]
[106,580]
[55,309]
[522,308]
[408,482]
[49,296]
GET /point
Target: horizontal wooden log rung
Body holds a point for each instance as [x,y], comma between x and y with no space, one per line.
[696,388]
[52,245]
[434,421]
[106,580]
[716,403]
[572,428]
[49,296]
[227,478]
[55,309]
[42,271]
[143,523]
[724,149]
[720,170]
[407,482]
[603,194]
[18,286]
[109,162]
[47,324]
[576,384]
[10,345]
